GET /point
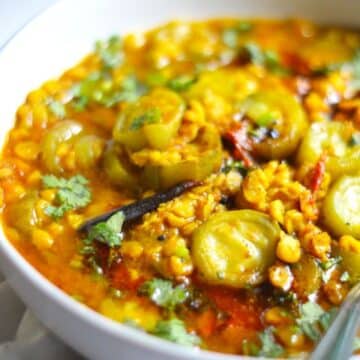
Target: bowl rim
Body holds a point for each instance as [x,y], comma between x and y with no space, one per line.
[89,316]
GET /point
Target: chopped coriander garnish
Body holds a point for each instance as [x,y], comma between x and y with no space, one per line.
[265,119]
[151,116]
[314,320]
[244,26]
[269,346]
[162,293]
[327,318]
[230,36]
[110,51]
[267,58]
[326,265]
[255,53]
[99,88]
[72,194]
[108,232]
[249,348]
[234,165]
[156,79]
[355,139]
[57,108]
[182,82]
[174,330]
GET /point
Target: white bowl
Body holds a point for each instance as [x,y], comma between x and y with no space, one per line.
[53,42]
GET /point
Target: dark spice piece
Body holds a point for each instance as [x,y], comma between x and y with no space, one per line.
[139,208]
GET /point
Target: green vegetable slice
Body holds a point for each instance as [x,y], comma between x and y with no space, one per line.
[65,131]
[341,208]
[206,159]
[235,248]
[118,169]
[153,121]
[334,140]
[22,214]
[281,113]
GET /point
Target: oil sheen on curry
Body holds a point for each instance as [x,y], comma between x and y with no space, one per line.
[221,162]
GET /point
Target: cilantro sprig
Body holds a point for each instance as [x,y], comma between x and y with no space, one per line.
[71,194]
[110,51]
[268,58]
[267,346]
[108,232]
[162,293]
[230,36]
[100,88]
[174,330]
[314,320]
[57,108]
[181,82]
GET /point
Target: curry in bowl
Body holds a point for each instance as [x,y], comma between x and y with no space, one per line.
[200,182]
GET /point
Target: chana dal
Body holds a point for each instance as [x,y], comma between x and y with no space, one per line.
[242,137]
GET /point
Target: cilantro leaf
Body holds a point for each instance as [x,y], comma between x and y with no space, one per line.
[107,232]
[236,165]
[72,194]
[327,318]
[269,346]
[267,58]
[150,116]
[326,265]
[231,35]
[110,51]
[255,53]
[57,108]
[355,139]
[314,320]
[182,82]
[174,330]
[100,88]
[162,293]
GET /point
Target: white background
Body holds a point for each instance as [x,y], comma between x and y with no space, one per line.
[15,13]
